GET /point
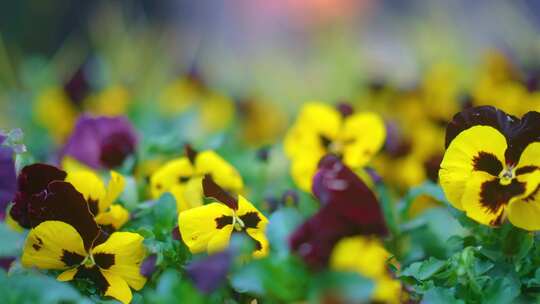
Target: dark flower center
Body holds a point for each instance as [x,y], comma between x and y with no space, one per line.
[114,150]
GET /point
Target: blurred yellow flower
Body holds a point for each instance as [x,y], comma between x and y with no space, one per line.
[321,129]
[54,111]
[182,177]
[367,257]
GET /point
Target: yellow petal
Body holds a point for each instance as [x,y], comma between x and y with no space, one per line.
[169,175]
[192,195]
[259,236]
[67,275]
[458,162]
[372,264]
[223,173]
[198,225]
[524,212]
[245,206]
[301,140]
[70,164]
[387,290]
[530,156]
[477,207]
[118,287]
[114,189]
[363,136]
[89,185]
[256,232]
[115,216]
[220,240]
[53,245]
[128,251]
[303,169]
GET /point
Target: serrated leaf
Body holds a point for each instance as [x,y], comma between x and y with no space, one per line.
[423,270]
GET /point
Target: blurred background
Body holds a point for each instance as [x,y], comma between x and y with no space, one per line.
[251,62]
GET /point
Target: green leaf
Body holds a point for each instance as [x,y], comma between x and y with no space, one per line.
[428,188]
[350,286]
[423,270]
[440,295]
[11,242]
[37,288]
[502,291]
[281,224]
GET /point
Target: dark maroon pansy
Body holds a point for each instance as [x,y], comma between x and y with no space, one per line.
[210,272]
[8,178]
[32,185]
[519,133]
[101,142]
[349,207]
[62,202]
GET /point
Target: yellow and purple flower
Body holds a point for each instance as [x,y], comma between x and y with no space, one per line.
[209,227]
[182,177]
[65,236]
[491,168]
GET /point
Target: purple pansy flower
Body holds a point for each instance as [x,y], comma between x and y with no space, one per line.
[209,273]
[8,178]
[148,266]
[101,142]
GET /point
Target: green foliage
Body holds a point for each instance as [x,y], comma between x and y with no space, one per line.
[33,287]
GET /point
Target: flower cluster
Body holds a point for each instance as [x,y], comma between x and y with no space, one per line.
[177,192]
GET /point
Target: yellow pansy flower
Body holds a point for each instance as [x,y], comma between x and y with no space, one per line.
[182,177]
[111,101]
[491,167]
[321,129]
[112,265]
[209,227]
[54,111]
[65,236]
[368,257]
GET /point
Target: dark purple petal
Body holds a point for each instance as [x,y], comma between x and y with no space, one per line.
[5,262]
[349,207]
[432,166]
[101,142]
[337,186]
[213,190]
[32,184]
[519,133]
[62,202]
[77,87]
[175,233]
[148,266]
[209,273]
[8,179]
[396,145]
[345,109]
